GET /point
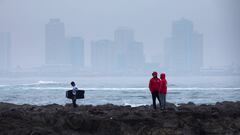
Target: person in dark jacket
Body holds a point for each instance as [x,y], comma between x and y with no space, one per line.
[163,90]
[154,87]
[74,92]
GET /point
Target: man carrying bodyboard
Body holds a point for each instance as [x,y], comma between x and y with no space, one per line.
[74,94]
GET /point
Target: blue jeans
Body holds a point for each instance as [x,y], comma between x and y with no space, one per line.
[162,100]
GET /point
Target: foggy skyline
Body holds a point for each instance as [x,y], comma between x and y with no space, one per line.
[184,49]
[96,20]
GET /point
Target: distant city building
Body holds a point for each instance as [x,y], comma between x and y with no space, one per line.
[122,54]
[76,45]
[184,49]
[124,36]
[136,58]
[5,51]
[103,55]
[56,49]
[130,54]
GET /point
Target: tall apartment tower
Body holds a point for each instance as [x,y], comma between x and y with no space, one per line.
[184,49]
[56,48]
[130,53]
[76,45]
[5,51]
[103,54]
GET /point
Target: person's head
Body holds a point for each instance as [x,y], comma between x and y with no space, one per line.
[154,74]
[162,76]
[73,83]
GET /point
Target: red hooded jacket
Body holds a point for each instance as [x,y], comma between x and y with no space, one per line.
[163,87]
[154,84]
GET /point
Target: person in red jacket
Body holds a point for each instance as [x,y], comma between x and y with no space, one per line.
[154,87]
[163,91]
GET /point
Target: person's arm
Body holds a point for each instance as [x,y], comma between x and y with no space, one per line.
[160,85]
[74,90]
[165,86]
[150,85]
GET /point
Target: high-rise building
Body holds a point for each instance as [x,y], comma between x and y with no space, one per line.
[129,52]
[103,55]
[136,58]
[122,54]
[76,45]
[5,50]
[184,49]
[56,49]
[124,36]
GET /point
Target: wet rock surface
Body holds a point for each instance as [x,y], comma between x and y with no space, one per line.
[186,119]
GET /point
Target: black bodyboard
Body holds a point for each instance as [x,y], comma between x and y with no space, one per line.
[79,94]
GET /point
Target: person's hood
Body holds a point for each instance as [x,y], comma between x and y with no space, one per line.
[162,76]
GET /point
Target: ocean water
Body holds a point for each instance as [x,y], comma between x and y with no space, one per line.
[118,90]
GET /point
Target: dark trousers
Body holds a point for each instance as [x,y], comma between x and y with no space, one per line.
[155,95]
[74,101]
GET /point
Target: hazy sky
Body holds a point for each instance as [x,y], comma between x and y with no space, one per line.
[217,20]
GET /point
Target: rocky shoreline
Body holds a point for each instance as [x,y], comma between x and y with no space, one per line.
[186,119]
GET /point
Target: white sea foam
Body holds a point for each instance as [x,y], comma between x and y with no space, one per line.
[133,105]
[47,82]
[37,87]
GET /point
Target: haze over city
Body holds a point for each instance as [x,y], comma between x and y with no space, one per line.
[151,23]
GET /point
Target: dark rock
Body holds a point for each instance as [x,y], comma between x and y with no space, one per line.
[186,119]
